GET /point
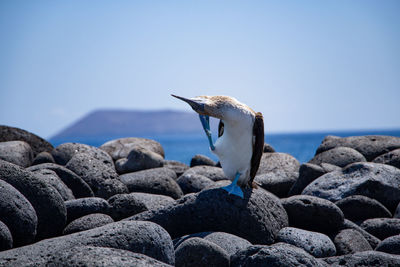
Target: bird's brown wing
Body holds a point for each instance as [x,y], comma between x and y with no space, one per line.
[220,128]
[258,147]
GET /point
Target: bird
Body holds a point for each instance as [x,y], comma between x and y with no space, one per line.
[240,142]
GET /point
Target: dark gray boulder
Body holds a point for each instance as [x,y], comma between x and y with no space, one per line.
[313,214]
[64,152]
[364,258]
[308,172]
[199,159]
[120,148]
[339,156]
[84,206]
[317,244]
[277,173]
[359,208]
[154,181]
[397,212]
[178,167]
[125,205]
[101,178]
[212,173]
[141,237]
[37,143]
[382,227]
[16,152]
[277,255]
[390,245]
[46,201]
[200,252]
[350,241]
[74,182]
[230,243]
[258,217]
[372,240]
[43,157]
[6,240]
[139,159]
[192,183]
[374,180]
[51,178]
[87,222]
[370,146]
[101,256]
[390,158]
[268,148]
[18,214]
[153,201]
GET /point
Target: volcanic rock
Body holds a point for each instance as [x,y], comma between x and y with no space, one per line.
[139,159]
[16,152]
[350,241]
[87,222]
[339,156]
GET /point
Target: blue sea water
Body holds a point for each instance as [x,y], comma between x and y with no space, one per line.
[183,147]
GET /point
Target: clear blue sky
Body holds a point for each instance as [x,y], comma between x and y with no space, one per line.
[307,65]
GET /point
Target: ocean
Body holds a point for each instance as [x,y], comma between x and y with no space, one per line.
[183,147]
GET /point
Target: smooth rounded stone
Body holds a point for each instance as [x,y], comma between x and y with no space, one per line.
[369,146]
[63,153]
[101,178]
[200,252]
[139,159]
[364,258]
[141,237]
[390,245]
[277,173]
[43,157]
[178,167]
[276,255]
[192,183]
[120,148]
[153,181]
[359,208]
[308,172]
[18,214]
[372,240]
[37,143]
[390,158]
[317,244]
[101,256]
[125,205]
[152,201]
[374,180]
[313,214]
[329,167]
[6,240]
[213,173]
[382,227]
[268,148]
[17,152]
[47,202]
[78,186]
[84,206]
[199,159]
[51,178]
[350,241]
[397,212]
[339,156]
[87,222]
[230,243]
[258,217]
[219,184]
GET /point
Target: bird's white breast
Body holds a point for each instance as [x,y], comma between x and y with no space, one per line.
[235,148]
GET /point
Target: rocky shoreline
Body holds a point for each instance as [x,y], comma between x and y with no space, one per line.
[123,204]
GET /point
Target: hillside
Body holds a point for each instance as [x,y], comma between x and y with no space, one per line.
[123,123]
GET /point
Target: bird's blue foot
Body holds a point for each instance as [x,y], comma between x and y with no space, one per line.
[233,189]
[205,121]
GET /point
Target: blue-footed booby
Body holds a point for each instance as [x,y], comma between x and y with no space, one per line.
[240,142]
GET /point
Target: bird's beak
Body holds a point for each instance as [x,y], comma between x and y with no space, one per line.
[195,104]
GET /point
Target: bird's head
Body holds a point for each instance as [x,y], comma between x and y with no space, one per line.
[215,106]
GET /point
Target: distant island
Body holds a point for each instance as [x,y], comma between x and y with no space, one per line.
[101,124]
